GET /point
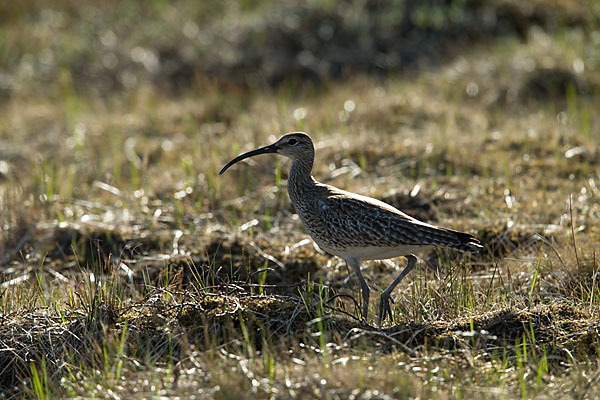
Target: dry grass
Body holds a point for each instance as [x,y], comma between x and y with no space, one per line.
[130,268]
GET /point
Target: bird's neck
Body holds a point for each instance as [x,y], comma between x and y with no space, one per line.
[299,180]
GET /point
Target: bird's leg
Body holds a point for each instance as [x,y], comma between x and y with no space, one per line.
[384,301]
[366,292]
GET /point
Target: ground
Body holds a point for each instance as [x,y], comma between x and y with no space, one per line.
[130,268]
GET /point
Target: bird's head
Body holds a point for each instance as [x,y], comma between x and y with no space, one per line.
[292,145]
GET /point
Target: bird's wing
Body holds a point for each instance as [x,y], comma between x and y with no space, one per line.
[355,220]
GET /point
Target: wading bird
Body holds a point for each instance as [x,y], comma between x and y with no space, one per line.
[354,227]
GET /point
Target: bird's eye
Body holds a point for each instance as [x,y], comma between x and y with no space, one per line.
[292,142]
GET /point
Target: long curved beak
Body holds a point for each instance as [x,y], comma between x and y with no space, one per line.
[263,150]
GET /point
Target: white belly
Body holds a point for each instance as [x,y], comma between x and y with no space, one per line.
[375,253]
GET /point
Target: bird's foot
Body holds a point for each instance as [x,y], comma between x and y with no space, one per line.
[385,310]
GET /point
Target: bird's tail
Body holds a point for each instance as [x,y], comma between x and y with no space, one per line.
[466,242]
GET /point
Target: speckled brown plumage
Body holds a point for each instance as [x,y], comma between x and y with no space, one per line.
[336,219]
[352,226]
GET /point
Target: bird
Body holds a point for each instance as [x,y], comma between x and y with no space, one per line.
[353,227]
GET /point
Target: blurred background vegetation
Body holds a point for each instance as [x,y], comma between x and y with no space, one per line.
[119,45]
[115,58]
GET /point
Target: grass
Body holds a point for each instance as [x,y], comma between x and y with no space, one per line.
[129,267]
